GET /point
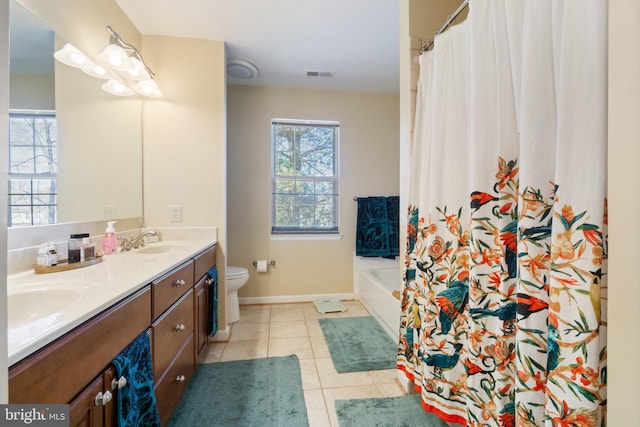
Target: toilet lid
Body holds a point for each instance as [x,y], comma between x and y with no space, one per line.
[236,271]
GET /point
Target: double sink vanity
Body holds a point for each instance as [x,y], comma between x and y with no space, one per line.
[65,328]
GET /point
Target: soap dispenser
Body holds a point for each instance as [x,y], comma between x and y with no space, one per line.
[110,242]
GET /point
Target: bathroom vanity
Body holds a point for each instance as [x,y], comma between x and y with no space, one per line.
[160,288]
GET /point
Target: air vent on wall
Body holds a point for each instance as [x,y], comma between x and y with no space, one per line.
[319,74]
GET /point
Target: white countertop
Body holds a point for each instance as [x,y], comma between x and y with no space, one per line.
[94,288]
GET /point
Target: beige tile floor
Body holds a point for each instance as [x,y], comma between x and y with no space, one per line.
[282,329]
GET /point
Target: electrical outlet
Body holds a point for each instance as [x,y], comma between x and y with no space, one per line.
[110,212]
[176,213]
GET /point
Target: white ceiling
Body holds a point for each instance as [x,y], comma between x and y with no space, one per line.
[356,40]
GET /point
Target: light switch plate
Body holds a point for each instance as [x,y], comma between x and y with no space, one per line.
[110,212]
[176,213]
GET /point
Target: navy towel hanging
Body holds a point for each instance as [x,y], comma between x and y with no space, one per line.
[136,400]
[377,228]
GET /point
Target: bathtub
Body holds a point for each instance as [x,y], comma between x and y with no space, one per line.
[375,280]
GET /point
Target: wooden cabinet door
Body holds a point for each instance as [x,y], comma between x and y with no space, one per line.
[83,410]
[96,405]
[201,312]
[111,409]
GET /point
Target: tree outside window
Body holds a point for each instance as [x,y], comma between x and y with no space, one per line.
[305,177]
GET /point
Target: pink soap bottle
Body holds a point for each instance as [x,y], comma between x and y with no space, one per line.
[110,242]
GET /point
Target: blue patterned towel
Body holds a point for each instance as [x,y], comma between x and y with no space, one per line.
[377,227]
[212,319]
[136,400]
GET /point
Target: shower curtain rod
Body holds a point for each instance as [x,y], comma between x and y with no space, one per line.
[450,19]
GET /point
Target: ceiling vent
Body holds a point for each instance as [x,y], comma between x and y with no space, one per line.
[241,69]
[319,74]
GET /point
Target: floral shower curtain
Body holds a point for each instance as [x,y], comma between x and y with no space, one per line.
[504,304]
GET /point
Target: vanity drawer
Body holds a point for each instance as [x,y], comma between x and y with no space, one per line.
[171,386]
[169,288]
[170,332]
[204,262]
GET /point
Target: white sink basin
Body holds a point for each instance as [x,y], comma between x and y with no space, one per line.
[42,301]
[160,248]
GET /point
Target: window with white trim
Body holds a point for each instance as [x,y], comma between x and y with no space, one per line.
[33,159]
[304,177]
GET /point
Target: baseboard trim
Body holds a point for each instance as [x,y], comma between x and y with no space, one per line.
[222,335]
[293,298]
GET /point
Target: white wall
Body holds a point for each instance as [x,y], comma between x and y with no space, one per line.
[184,160]
[4,162]
[369,160]
[624,205]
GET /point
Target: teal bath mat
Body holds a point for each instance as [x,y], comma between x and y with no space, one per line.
[358,344]
[244,393]
[402,411]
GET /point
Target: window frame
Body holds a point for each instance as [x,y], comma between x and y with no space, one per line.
[31,176]
[313,232]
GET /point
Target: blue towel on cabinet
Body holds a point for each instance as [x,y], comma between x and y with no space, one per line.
[212,318]
[377,227]
[136,400]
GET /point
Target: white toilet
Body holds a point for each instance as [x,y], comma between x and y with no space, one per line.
[236,278]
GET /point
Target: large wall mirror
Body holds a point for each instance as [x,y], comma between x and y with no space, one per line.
[87,160]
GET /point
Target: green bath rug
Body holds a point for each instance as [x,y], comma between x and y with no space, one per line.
[402,411]
[244,393]
[358,344]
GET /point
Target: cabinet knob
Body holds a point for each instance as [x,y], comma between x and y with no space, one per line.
[180,327]
[119,383]
[102,399]
[107,397]
[180,379]
[179,282]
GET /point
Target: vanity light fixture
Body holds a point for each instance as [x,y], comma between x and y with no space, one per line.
[128,62]
[120,63]
[70,55]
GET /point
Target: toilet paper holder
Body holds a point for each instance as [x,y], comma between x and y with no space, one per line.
[272,263]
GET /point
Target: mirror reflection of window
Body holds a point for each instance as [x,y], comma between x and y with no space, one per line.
[33,158]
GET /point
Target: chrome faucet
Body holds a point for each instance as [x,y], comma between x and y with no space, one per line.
[137,241]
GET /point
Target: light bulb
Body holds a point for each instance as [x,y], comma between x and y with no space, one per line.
[95,70]
[148,88]
[115,87]
[78,58]
[138,71]
[116,57]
